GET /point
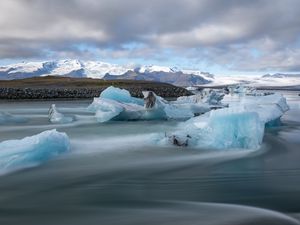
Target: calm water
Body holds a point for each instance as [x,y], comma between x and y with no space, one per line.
[114,175]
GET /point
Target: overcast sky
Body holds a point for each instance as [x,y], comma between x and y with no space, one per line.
[220,36]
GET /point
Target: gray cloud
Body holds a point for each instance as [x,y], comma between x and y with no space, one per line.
[225,33]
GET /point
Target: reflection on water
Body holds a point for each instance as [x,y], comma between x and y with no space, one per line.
[113,176]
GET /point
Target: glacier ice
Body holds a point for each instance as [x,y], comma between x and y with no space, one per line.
[57,117]
[227,128]
[214,97]
[107,109]
[31,151]
[269,107]
[208,96]
[163,109]
[120,95]
[118,104]
[6,118]
[237,127]
[201,103]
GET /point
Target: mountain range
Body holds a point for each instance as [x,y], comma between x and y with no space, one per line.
[108,71]
[99,70]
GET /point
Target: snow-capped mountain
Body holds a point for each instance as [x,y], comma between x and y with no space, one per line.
[173,75]
[176,78]
[257,81]
[93,69]
[281,75]
[98,69]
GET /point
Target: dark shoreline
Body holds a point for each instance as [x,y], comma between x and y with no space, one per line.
[65,88]
[81,93]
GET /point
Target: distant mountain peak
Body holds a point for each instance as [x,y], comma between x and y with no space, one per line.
[99,69]
[280,75]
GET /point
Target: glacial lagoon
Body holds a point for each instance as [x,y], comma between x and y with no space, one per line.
[113,174]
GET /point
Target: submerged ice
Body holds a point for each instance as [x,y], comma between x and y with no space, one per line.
[31,151]
[7,118]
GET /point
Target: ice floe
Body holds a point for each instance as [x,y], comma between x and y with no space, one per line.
[33,150]
[118,104]
[237,127]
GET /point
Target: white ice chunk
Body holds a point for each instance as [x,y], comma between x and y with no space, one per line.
[31,151]
[269,107]
[214,97]
[107,109]
[201,103]
[57,117]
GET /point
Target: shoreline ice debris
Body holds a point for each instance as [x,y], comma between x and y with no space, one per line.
[57,117]
[6,118]
[118,104]
[237,127]
[33,150]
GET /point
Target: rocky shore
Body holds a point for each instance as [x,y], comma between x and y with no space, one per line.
[80,89]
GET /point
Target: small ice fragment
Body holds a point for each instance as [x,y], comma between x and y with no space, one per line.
[57,117]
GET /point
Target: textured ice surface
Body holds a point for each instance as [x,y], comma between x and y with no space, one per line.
[34,150]
[237,127]
[120,95]
[108,109]
[227,128]
[201,103]
[214,97]
[166,110]
[6,118]
[208,96]
[57,117]
[234,128]
[117,104]
[269,108]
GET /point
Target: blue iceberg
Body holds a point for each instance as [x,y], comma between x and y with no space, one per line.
[237,127]
[31,151]
[118,104]
[120,95]
[107,109]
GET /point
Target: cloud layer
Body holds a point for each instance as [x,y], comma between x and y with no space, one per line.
[257,35]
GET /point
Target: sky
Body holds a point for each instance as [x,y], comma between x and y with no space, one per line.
[218,36]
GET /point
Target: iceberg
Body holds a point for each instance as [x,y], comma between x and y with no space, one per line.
[106,109]
[227,128]
[31,151]
[163,109]
[201,103]
[269,107]
[120,95]
[6,118]
[237,127]
[214,98]
[118,104]
[57,117]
